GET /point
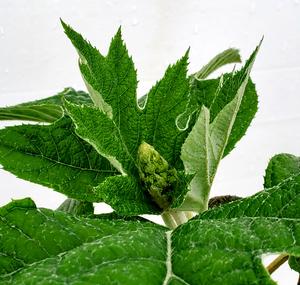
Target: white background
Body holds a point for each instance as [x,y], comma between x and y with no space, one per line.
[37,60]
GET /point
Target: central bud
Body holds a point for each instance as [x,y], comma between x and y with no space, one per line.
[156,175]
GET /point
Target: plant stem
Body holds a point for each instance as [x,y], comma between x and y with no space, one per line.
[277,262]
[173,218]
[169,220]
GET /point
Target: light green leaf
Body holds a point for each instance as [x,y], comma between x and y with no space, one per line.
[228,56]
[45,110]
[281,167]
[54,156]
[215,97]
[205,145]
[76,207]
[76,250]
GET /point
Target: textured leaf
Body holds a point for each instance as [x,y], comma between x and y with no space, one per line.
[116,126]
[100,131]
[76,207]
[280,167]
[75,250]
[54,156]
[228,56]
[46,110]
[215,98]
[112,83]
[79,250]
[165,102]
[282,201]
[205,145]
[126,196]
[294,263]
[228,251]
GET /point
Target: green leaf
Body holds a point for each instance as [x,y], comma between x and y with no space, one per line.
[45,110]
[126,196]
[54,156]
[294,263]
[165,102]
[117,126]
[282,201]
[228,56]
[280,167]
[79,249]
[205,145]
[76,250]
[215,94]
[229,251]
[76,207]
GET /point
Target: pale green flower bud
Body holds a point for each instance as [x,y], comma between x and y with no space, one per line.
[156,175]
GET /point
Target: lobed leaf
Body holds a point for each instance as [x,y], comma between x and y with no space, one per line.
[117,126]
[76,250]
[281,201]
[54,156]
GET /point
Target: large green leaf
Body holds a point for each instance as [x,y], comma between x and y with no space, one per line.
[76,250]
[205,145]
[282,201]
[45,110]
[54,156]
[79,250]
[280,167]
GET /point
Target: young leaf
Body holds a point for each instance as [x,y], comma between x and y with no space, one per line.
[164,103]
[280,167]
[54,156]
[126,196]
[76,207]
[215,94]
[45,110]
[206,143]
[116,126]
[228,56]
[83,250]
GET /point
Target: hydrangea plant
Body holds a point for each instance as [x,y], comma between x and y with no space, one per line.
[157,154]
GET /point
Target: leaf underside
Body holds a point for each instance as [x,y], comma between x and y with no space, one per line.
[45,110]
[76,250]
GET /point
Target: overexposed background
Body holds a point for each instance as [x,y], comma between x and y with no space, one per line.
[37,60]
